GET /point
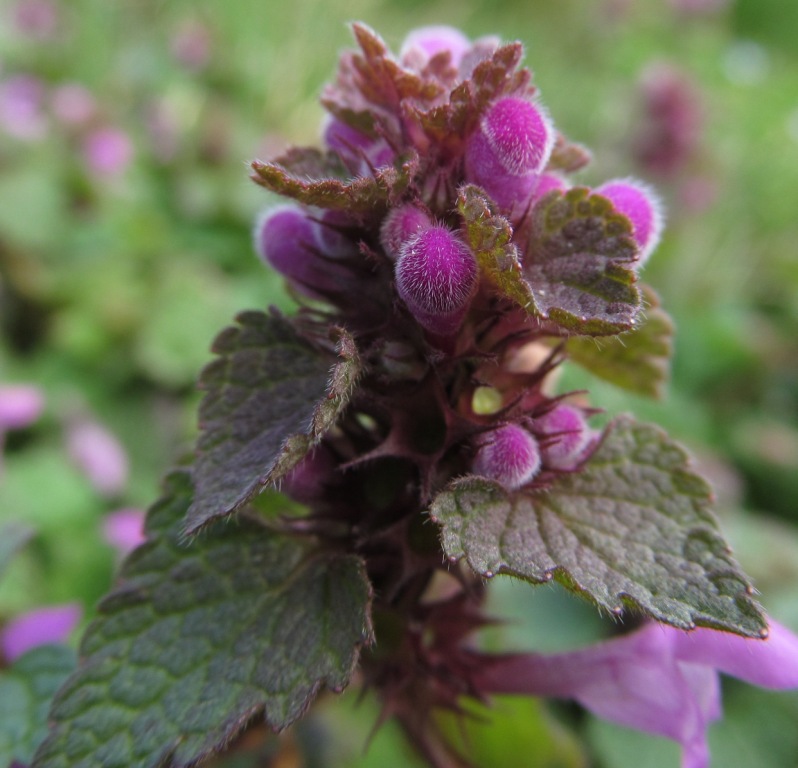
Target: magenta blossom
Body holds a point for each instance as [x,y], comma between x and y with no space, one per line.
[40,626]
[107,152]
[99,455]
[124,529]
[658,679]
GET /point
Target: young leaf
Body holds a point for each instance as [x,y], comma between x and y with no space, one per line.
[490,239]
[198,641]
[270,398]
[632,528]
[638,361]
[579,264]
[26,690]
[567,156]
[363,195]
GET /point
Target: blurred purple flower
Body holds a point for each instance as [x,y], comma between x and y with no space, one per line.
[38,627]
[36,19]
[107,152]
[99,455]
[191,45]
[73,104]
[124,529]
[20,405]
[658,679]
[21,115]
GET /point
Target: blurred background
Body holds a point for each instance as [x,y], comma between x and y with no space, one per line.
[125,218]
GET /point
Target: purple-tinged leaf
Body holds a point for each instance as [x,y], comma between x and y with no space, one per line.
[495,77]
[197,642]
[579,263]
[632,529]
[270,397]
[639,360]
[490,239]
[364,195]
[26,691]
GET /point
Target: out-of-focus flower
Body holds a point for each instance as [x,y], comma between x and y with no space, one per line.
[191,45]
[73,104]
[99,455]
[698,7]
[658,679]
[36,19]
[124,529]
[21,115]
[669,133]
[107,152]
[40,626]
[20,405]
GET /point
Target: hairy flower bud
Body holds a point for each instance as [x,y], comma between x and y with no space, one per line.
[424,43]
[641,206]
[548,182]
[509,150]
[510,455]
[359,152]
[288,241]
[400,225]
[564,435]
[436,276]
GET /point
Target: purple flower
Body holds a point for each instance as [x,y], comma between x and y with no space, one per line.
[425,42]
[436,276]
[107,152]
[99,455]
[38,627]
[508,152]
[20,405]
[73,104]
[642,207]
[509,455]
[358,151]
[564,436]
[400,225]
[124,529]
[21,100]
[658,679]
[37,20]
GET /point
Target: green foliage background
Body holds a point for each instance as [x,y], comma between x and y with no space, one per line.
[112,289]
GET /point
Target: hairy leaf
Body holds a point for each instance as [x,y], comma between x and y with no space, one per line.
[270,398]
[362,195]
[632,528]
[490,239]
[639,360]
[13,536]
[197,642]
[579,264]
[568,156]
[26,691]
[491,79]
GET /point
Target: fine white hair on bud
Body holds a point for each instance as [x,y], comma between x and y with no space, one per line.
[400,225]
[510,455]
[642,206]
[436,277]
[509,150]
[564,435]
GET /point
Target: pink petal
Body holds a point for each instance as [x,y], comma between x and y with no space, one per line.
[39,627]
[19,406]
[124,529]
[99,455]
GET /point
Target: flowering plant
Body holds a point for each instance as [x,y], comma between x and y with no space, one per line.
[445,268]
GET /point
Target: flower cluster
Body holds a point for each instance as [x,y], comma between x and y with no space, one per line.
[441,229]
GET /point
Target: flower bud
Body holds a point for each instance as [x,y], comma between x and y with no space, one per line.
[640,204]
[509,455]
[564,435]
[424,43]
[287,240]
[509,150]
[307,481]
[436,276]
[359,152]
[546,183]
[400,225]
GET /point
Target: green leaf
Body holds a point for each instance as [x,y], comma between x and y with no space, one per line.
[26,691]
[632,529]
[579,263]
[365,195]
[490,239]
[13,536]
[197,642]
[639,360]
[270,398]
